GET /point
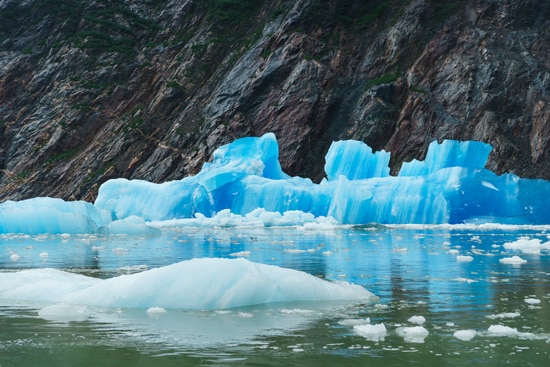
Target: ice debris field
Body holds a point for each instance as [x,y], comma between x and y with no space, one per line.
[245,179]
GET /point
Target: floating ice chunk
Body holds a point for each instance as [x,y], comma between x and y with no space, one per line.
[532,301]
[505,315]
[203,283]
[64,313]
[413,334]
[129,225]
[372,332]
[527,246]
[514,260]
[354,322]
[465,280]
[156,310]
[465,335]
[49,215]
[502,330]
[464,258]
[43,255]
[419,320]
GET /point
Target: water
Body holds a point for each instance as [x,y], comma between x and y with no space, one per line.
[451,276]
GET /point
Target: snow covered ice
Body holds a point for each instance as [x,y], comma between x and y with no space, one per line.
[450,186]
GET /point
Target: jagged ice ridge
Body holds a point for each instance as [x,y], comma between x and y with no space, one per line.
[450,186]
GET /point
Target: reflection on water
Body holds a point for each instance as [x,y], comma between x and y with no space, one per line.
[453,277]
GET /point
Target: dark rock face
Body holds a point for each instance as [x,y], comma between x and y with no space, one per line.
[91,90]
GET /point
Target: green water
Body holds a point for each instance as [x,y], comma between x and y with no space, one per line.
[414,272]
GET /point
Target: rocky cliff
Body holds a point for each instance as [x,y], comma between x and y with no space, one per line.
[91,90]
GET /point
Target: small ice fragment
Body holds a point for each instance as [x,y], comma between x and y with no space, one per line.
[501,330]
[465,335]
[419,320]
[413,334]
[156,310]
[453,252]
[514,260]
[504,315]
[294,251]
[464,258]
[532,301]
[64,313]
[466,280]
[43,255]
[372,332]
[14,257]
[354,322]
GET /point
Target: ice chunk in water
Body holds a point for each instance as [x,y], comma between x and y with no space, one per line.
[372,332]
[49,215]
[413,334]
[465,335]
[419,320]
[514,260]
[64,313]
[202,283]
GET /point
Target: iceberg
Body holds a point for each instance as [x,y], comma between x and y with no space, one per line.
[200,283]
[451,186]
[51,215]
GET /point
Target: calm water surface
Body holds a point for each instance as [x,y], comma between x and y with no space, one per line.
[453,277]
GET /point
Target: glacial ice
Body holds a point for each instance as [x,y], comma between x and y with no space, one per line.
[451,186]
[50,215]
[413,334]
[465,335]
[200,283]
[372,332]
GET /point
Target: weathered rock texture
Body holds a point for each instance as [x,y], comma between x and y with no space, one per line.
[91,90]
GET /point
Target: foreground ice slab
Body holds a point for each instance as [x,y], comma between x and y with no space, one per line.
[450,186]
[202,283]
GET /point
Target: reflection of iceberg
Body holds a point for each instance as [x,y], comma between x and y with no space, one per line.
[202,283]
[450,186]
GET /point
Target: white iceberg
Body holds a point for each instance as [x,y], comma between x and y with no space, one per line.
[202,283]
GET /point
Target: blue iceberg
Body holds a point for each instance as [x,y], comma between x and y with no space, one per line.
[450,186]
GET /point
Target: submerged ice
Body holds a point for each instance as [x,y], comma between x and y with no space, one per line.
[201,283]
[450,186]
